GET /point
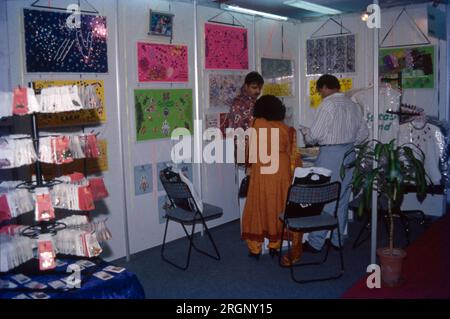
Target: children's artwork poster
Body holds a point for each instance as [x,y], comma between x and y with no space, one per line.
[143,179]
[278,89]
[416,65]
[161,23]
[163,204]
[316,98]
[92,95]
[159,112]
[226,47]
[217,120]
[331,55]
[162,62]
[278,75]
[55,43]
[186,169]
[87,166]
[223,88]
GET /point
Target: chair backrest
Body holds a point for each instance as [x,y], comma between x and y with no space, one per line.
[312,198]
[177,191]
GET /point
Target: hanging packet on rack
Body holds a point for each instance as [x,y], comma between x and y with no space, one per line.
[46,252]
[98,188]
[20,101]
[44,210]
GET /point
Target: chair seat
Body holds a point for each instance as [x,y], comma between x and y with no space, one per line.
[185,216]
[323,220]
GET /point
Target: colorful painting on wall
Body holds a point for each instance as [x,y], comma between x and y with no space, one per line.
[314,96]
[225,47]
[159,112]
[143,180]
[331,55]
[54,44]
[415,63]
[92,93]
[223,88]
[161,23]
[162,62]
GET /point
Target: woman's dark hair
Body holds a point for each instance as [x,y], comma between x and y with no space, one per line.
[329,80]
[269,107]
[254,78]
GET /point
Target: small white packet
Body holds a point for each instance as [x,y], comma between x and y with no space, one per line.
[103,275]
[39,295]
[21,278]
[114,269]
[6,284]
[58,284]
[21,296]
[35,285]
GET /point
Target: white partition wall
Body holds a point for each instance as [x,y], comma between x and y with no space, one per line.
[135,220]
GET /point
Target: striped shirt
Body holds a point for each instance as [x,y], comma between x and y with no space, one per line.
[338,121]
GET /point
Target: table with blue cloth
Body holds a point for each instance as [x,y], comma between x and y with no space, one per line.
[123,285]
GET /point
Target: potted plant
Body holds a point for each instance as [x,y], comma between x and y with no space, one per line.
[397,166]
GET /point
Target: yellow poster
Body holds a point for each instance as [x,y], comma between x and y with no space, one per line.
[92,92]
[278,89]
[314,96]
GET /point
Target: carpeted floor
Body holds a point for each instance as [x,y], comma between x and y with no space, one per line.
[238,276]
[426,268]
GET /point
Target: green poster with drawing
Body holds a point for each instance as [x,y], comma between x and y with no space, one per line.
[416,65]
[159,112]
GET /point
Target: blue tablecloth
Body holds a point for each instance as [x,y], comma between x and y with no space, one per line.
[124,285]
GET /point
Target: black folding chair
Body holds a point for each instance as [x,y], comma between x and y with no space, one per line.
[307,219]
[184,210]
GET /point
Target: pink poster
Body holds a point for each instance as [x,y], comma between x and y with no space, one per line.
[225,47]
[162,62]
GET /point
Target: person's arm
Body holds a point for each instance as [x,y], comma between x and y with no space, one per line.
[318,131]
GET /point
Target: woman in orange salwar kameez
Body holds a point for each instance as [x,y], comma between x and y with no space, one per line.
[267,193]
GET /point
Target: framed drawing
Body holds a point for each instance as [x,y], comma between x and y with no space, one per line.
[161,23]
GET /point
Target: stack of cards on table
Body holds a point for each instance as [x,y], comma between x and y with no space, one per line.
[103,275]
[85,263]
[21,278]
[6,284]
[114,269]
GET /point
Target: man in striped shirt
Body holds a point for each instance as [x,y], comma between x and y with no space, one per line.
[338,126]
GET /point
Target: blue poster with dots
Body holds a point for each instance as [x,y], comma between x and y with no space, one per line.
[53,43]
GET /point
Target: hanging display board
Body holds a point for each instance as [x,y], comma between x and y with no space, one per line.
[159,112]
[162,62]
[278,75]
[331,55]
[54,44]
[225,47]
[91,92]
[415,63]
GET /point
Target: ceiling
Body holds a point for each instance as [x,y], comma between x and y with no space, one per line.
[277,6]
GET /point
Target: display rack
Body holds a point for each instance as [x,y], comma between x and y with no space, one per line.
[48,226]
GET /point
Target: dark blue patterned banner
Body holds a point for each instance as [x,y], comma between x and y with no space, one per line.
[55,45]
